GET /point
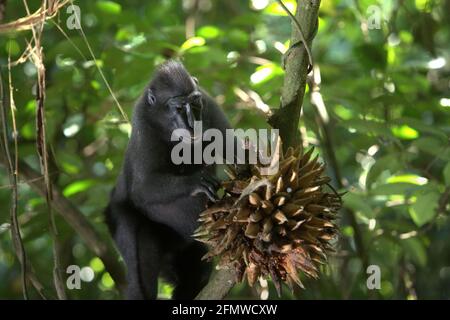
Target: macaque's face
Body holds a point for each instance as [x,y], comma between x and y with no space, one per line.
[174,100]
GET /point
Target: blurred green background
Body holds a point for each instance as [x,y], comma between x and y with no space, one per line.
[386,90]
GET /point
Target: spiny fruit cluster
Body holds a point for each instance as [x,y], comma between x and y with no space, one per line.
[274,225]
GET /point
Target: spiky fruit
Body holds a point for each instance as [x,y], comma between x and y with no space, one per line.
[274,225]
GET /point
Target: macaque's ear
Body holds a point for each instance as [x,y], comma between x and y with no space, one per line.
[195,80]
[151,99]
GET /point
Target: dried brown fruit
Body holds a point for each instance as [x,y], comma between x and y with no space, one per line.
[276,225]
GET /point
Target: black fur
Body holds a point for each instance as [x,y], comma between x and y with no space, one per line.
[155,204]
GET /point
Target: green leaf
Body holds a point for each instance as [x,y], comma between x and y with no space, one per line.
[77,187]
[12,47]
[97,265]
[5,227]
[371,55]
[433,146]
[265,73]
[369,127]
[107,281]
[423,5]
[358,203]
[408,178]
[390,162]
[447,174]
[208,32]
[109,7]
[424,209]
[421,127]
[276,10]
[193,42]
[405,132]
[415,250]
[400,188]
[343,112]
[165,290]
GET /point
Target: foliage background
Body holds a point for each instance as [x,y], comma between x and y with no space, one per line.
[387,92]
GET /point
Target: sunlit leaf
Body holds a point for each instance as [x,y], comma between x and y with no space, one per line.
[406,36]
[77,187]
[208,32]
[391,55]
[265,73]
[389,162]
[193,42]
[4,227]
[275,9]
[408,178]
[423,5]
[394,188]
[422,127]
[97,265]
[109,7]
[107,281]
[165,290]
[405,132]
[343,112]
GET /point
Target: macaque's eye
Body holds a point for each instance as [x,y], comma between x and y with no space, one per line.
[174,103]
[180,107]
[151,99]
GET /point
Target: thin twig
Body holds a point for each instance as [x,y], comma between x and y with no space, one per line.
[28,22]
[13,172]
[15,175]
[91,52]
[68,39]
[10,186]
[26,266]
[323,122]
[41,143]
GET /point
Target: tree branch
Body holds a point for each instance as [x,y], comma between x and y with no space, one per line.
[12,168]
[219,285]
[285,119]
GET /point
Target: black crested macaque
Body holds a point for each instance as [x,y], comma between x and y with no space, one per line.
[155,204]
